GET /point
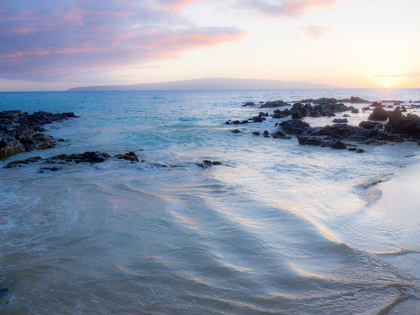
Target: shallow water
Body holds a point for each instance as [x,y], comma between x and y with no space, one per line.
[279,229]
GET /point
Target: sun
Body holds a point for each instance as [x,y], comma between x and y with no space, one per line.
[387,85]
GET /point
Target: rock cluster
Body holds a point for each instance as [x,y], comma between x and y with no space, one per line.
[274,104]
[300,110]
[383,126]
[20,132]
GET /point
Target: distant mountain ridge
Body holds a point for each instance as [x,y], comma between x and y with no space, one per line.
[209,84]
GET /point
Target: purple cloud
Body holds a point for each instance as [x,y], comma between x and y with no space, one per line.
[316,31]
[284,8]
[49,40]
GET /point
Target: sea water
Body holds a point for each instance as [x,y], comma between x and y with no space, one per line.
[279,228]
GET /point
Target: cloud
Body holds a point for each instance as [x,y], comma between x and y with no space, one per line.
[177,4]
[43,40]
[408,75]
[284,8]
[316,31]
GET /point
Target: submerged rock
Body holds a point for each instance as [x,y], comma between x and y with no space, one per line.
[51,169]
[208,163]
[130,156]
[340,121]
[87,157]
[22,162]
[235,131]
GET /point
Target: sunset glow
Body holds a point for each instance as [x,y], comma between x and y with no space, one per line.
[73,43]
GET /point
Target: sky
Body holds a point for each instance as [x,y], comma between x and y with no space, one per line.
[56,45]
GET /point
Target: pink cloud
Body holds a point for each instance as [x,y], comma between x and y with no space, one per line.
[316,31]
[177,4]
[49,42]
[284,8]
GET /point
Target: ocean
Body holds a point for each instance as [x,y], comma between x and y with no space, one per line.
[279,228]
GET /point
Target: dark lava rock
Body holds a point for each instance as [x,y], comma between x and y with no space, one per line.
[130,156]
[50,169]
[315,113]
[355,111]
[357,150]
[323,141]
[266,134]
[294,126]
[258,119]
[274,104]
[248,104]
[296,115]
[345,115]
[208,163]
[280,135]
[61,140]
[338,145]
[236,122]
[20,132]
[321,101]
[408,125]
[376,104]
[340,121]
[4,292]
[323,108]
[256,133]
[379,114]
[352,133]
[235,131]
[371,125]
[243,122]
[87,157]
[354,100]
[22,162]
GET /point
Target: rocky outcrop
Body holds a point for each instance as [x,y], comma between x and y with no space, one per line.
[408,125]
[379,114]
[20,132]
[294,127]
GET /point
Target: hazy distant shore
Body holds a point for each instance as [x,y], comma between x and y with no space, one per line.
[208,84]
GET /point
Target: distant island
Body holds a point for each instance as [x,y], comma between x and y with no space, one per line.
[209,84]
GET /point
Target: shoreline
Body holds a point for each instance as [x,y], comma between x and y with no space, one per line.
[400,201]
